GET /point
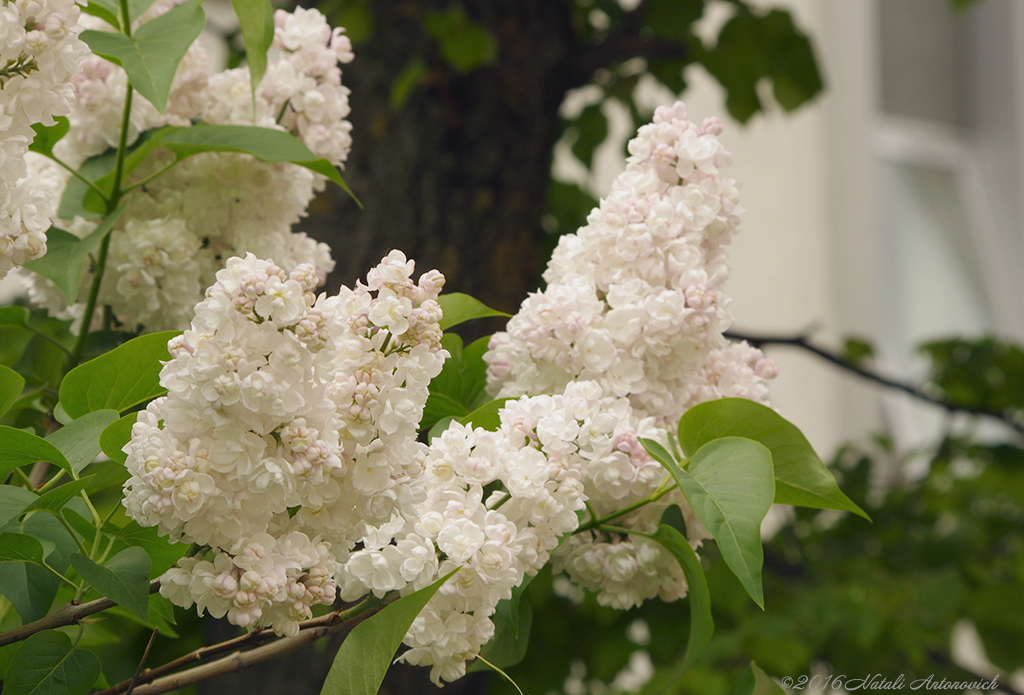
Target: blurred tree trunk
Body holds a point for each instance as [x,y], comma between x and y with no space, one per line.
[457,177]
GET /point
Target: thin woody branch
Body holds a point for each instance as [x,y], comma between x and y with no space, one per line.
[802,341]
[163,678]
[68,615]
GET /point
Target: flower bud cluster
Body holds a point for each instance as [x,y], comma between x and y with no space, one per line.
[496,504]
[211,206]
[39,52]
[635,298]
[635,302]
[286,414]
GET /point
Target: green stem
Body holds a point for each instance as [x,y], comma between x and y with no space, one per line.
[654,497]
[52,481]
[78,175]
[143,182]
[24,477]
[506,498]
[112,203]
[618,529]
[96,520]
[71,531]
[361,607]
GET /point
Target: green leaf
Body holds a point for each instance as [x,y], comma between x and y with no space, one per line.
[801,477]
[410,78]
[152,54]
[729,484]
[457,390]
[54,500]
[18,448]
[13,316]
[48,136]
[264,143]
[672,18]
[591,130]
[66,255]
[659,453]
[17,547]
[256,21]
[486,416]
[98,8]
[13,501]
[366,653]
[512,623]
[79,440]
[757,682]
[458,307]
[464,44]
[11,384]
[116,435]
[124,578]
[48,664]
[701,624]
[112,8]
[160,550]
[31,589]
[76,199]
[123,378]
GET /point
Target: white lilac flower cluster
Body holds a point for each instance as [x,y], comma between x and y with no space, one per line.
[179,228]
[635,301]
[288,429]
[496,535]
[39,52]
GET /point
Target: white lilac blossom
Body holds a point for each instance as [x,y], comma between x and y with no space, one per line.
[288,429]
[539,455]
[179,228]
[39,52]
[635,302]
[634,299]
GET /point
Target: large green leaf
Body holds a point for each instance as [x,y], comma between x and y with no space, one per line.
[464,44]
[459,388]
[11,384]
[801,477]
[161,551]
[48,136]
[124,578]
[264,143]
[366,653]
[123,378]
[17,547]
[47,663]
[13,501]
[54,500]
[512,623]
[486,416]
[77,200]
[79,440]
[701,624]
[729,484]
[66,255]
[458,307]
[116,435]
[110,10]
[152,54]
[29,588]
[18,448]
[256,21]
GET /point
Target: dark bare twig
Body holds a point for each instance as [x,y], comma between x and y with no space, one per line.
[802,341]
[142,663]
[163,678]
[68,615]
